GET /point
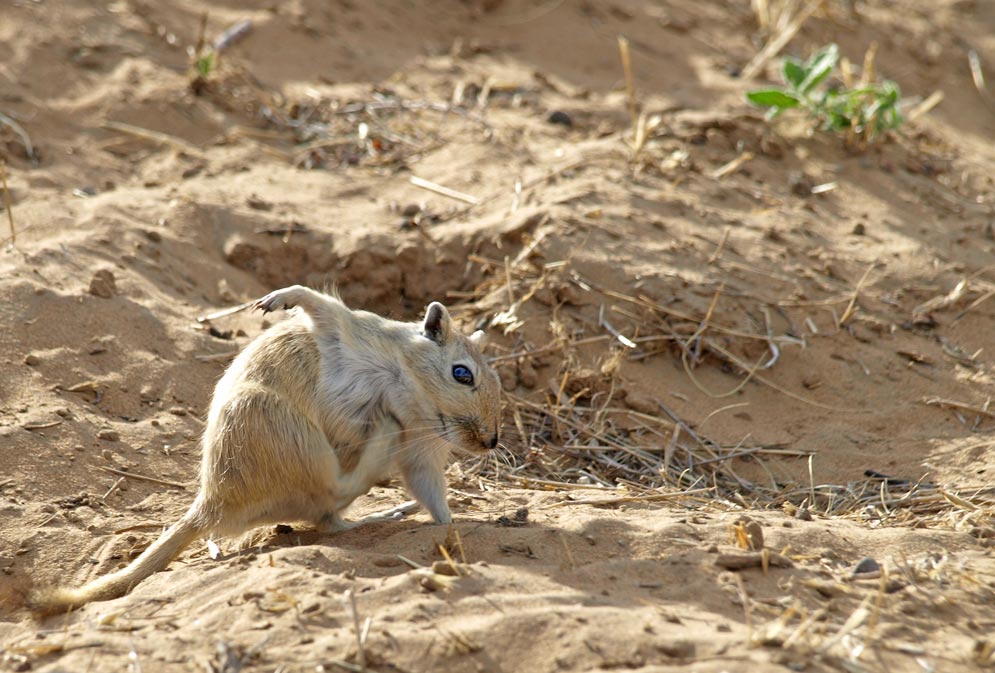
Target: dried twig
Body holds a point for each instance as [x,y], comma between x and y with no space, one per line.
[444,191]
[655,497]
[953,404]
[29,148]
[225,312]
[153,136]
[141,477]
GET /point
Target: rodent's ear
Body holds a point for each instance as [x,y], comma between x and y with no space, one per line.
[438,325]
[478,338]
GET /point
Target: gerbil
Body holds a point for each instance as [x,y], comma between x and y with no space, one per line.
[315,411]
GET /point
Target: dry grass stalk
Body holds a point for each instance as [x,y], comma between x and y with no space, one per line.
[777,42]
[978,77]
[566,548]
[153,136]
[350,603]
[952,404]
[449,560]
[577,439]
[745,600]
[856,292]
[763,13]
[925,106]
[114,487]
[867,75]
[720,246]
[643,130]
[630,85]
[6,201]
[656,497]
[201,34]
[731,166]
[444,191]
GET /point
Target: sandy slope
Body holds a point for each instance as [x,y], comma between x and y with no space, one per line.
[94,376]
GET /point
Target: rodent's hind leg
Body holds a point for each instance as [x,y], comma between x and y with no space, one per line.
[333,523]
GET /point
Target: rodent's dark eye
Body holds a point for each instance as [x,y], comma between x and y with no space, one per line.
[463,375]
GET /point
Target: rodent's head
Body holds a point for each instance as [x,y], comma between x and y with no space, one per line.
[465,390]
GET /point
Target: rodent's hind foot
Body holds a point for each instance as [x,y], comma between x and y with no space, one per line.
[394,513]
[333,523]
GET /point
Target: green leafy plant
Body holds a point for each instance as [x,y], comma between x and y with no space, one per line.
[204,63]
[203,60]
[868,110]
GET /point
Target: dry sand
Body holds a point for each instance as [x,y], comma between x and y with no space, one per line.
[595,540]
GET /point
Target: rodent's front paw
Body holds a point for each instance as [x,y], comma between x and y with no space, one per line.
[273,301]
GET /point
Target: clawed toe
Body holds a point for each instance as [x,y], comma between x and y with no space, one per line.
[270,302]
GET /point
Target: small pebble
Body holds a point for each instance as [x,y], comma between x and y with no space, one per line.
[866,566]
[859,229]
[678,649]
[800,184]
[102,284]
[641,402]
[753,532]
[32,360]
[527,374]
[257,203]
[109,435]
[560,117]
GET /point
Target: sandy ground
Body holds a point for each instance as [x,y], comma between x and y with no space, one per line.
[602,536]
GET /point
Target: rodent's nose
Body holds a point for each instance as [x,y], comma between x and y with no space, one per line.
[492,442]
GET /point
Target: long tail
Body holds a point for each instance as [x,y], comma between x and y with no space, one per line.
[54,600]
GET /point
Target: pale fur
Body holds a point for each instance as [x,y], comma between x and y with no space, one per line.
[328,384]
